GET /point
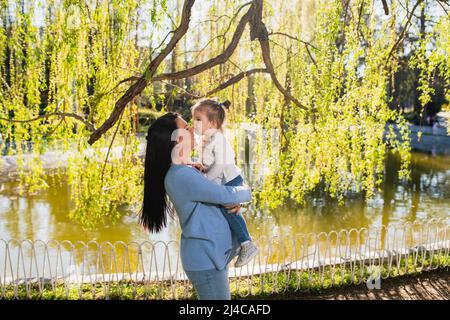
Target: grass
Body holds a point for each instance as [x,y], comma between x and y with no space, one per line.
[277,285]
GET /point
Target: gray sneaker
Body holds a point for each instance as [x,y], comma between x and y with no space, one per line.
[248,252]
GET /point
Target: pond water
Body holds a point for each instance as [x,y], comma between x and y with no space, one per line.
[44,216]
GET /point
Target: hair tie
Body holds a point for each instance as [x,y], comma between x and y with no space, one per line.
[225,104]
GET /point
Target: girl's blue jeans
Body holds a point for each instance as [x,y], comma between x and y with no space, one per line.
[236,221]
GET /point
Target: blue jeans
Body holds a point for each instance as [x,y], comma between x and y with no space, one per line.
[210,284]
[236,221]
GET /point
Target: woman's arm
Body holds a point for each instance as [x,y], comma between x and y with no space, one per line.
[198,188]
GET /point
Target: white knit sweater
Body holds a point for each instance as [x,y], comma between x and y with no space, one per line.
[217,158]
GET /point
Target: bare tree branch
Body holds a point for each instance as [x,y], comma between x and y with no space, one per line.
[206,45]
[220,59]
[109,151]
[218,36]
[56,127]
[360,11]
[236,65]
[385,7]
[143,81]
[265,48]
[311,57]
[193,95]
[162,42]
[287,60]
[259,31]
[235,15]
[405,7]
[223,35]
[223,57]
[132,78]
[443,8]
[212,20]
[235,79]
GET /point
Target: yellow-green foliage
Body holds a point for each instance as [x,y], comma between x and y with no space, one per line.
[341,76]
[62,48]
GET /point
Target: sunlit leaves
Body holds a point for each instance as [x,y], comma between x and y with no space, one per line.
[341,146]
[339,71]
[67,56]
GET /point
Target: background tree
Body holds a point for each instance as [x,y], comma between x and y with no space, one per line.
[319,73]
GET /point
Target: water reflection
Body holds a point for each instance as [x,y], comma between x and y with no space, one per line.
[427,194]
[45,216]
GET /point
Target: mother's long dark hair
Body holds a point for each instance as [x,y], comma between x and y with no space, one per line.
[157,162]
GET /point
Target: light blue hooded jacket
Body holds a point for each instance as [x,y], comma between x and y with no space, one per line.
[206,239]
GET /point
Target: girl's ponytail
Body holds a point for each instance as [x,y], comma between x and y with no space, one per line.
[226,104]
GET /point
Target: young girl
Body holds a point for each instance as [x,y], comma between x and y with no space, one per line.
[217,161]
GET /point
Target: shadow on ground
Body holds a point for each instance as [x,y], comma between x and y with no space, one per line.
[431,285]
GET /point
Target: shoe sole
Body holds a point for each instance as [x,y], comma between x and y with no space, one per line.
[248,260]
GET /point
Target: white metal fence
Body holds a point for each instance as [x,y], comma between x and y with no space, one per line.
[152,270]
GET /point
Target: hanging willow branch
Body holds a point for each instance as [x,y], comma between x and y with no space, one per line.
[145,79]
[307,44]
[220,59]
[258,31]
[403,33]
[138,86]
[63,115]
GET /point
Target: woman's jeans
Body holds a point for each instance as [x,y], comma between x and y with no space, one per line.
[213,284]
[210,284]
[236,221]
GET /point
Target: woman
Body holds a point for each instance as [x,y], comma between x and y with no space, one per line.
[207,245]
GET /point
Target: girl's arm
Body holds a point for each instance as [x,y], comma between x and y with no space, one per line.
[217,157]
[208,156]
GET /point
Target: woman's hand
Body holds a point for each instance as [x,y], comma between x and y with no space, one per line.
[233,208]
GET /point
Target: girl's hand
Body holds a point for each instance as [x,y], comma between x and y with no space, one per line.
[197,166]
[233,209]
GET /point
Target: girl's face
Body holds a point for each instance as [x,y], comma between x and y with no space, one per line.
[201,122]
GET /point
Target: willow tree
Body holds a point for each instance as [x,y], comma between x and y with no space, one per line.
[320,83]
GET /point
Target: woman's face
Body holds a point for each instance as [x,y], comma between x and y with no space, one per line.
[185,135]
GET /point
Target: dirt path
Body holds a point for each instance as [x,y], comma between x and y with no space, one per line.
[434,285]
[431,285]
